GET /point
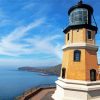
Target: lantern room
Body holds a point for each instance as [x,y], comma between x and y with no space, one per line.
[80,14]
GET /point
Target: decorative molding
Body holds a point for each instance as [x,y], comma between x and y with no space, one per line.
[80,82]
[78,85]
[80,45]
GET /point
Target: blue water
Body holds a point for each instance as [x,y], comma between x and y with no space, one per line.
[13,83]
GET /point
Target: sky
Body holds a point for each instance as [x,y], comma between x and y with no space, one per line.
[31,31]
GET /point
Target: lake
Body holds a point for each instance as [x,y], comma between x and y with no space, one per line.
[13,82]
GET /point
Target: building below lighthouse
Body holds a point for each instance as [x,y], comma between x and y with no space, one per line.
[79,78]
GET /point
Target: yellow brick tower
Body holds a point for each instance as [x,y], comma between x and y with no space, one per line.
[79,78]
[80,51]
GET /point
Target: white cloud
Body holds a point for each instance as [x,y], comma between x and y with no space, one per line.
[20,32]
[11,44]
[45,45]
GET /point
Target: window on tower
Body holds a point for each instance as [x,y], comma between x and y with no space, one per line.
[63,72]
[89,35]
[77,55]
[68,36]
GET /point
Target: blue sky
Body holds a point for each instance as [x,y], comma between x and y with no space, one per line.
[31,31]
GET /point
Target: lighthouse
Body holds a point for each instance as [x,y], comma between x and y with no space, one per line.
[79,79]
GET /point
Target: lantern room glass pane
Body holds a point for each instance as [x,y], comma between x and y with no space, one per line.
[79,16]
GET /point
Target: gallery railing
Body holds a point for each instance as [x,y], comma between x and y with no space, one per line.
[35,90]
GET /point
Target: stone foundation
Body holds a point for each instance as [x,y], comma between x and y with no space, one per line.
[76,90]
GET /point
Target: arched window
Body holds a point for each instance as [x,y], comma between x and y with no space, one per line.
[93,75]
[77,55]
[63,72]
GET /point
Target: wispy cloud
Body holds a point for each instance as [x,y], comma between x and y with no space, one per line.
[28,6]
[11,45]
[46,45]
[28,36]
[4,19]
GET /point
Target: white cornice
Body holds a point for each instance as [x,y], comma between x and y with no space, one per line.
[80,82]
[78,85]
[80,45]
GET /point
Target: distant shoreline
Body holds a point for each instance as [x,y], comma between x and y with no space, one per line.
[39,72]
[55,70]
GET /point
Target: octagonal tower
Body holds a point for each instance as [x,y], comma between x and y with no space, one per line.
[80,50]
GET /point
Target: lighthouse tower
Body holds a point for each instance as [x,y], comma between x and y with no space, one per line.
[79,78]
